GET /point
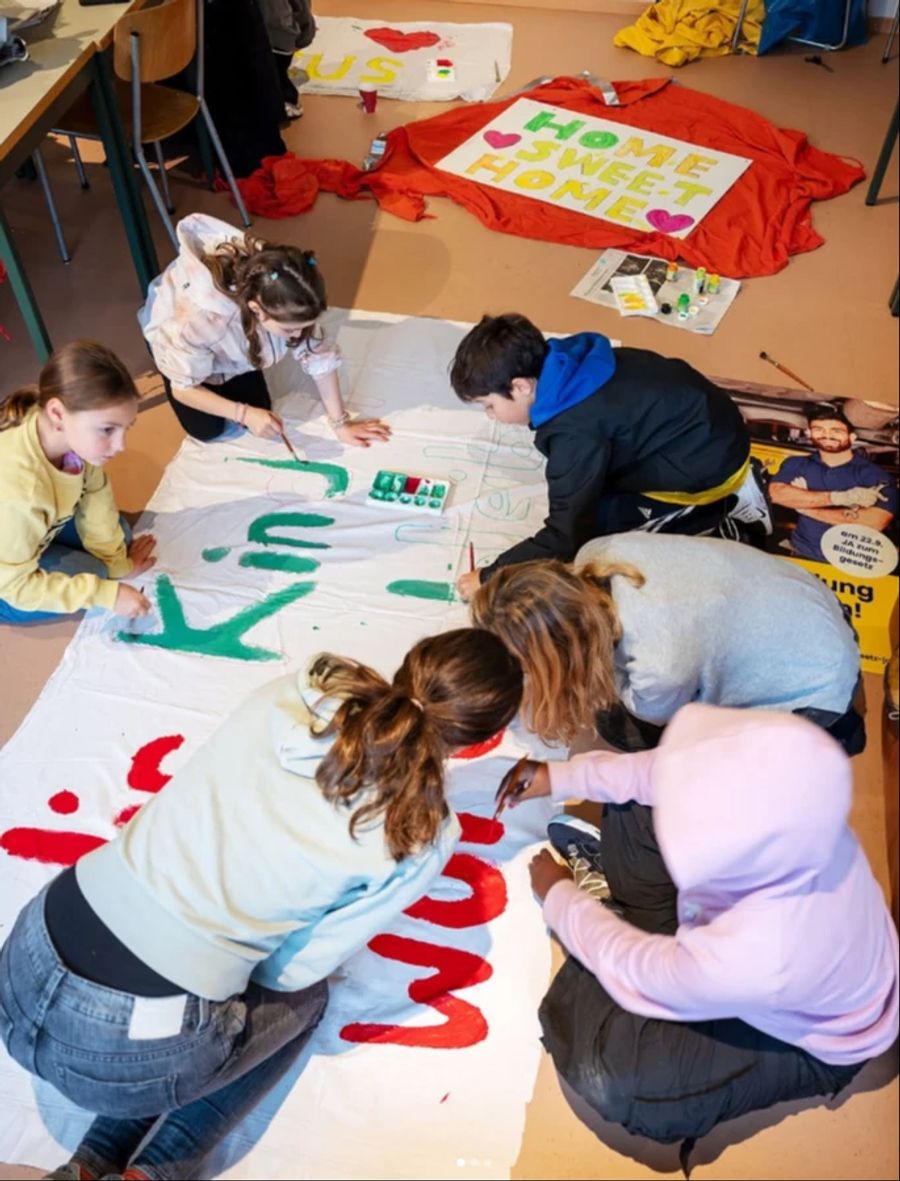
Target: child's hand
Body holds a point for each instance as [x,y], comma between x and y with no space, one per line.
[141,553]
[545,872]
[467,584]
[364,432]
[130,603]
[265,424]
[527,780]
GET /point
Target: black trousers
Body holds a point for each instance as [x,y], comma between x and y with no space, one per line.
[246,387]
[668,1080]
[624,731]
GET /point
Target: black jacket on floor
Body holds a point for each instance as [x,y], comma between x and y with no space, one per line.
[657,425]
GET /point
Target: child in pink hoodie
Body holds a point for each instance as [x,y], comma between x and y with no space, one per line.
[748,956]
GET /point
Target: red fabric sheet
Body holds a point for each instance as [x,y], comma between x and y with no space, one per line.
[753,230]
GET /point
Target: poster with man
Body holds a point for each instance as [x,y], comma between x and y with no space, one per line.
[832,466]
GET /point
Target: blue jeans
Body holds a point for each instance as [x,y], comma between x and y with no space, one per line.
[195,1084]
[64,555]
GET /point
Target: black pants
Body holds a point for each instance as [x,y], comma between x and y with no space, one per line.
[624,731]
[246,387]
[625,512]
[668,1080]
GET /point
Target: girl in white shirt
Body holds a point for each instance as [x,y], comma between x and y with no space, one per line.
[229,307]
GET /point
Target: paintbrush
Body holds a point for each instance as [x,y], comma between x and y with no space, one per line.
[790,373]
[471,558]
[512,787]
[290,447]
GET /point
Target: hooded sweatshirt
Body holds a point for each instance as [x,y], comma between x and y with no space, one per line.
[781,921]
[702,628]
[622,421]
[240,868]
[194,330]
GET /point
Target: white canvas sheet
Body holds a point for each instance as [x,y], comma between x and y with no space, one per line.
[420,61]
[120,714]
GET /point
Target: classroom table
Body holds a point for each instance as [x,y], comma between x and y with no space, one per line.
[34,95]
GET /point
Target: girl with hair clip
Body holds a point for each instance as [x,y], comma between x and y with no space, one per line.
[172,977]
[63,546]
[229,307]
[642,624]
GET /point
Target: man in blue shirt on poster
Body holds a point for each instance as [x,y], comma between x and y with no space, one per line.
[835,487]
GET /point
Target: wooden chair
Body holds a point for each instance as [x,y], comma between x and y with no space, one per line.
[149,45]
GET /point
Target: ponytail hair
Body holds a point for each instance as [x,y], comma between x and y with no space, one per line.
[83,375]
[284,280]
[563,626]
[391,738]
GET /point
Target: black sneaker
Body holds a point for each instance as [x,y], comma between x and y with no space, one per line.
[578,842]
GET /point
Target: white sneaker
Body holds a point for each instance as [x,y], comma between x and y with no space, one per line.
[293,110]
[752,504]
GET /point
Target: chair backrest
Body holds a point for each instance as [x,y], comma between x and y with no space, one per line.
[168,34]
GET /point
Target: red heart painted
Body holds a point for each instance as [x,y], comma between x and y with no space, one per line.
[501,139]
[399,42]
[669,223]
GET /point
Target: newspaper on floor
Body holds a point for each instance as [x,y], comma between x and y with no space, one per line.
[704,311]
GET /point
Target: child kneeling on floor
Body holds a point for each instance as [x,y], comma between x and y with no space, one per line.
[229,307]
[179,970]
[632,440]
[744,954]
[63,545]
[641,625]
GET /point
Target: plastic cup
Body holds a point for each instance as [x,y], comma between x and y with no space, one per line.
[369,96]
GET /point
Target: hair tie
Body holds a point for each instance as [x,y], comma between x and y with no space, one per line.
[418,704]
[273,275]
[311,259]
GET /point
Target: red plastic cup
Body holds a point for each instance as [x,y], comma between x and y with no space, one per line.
[369,96]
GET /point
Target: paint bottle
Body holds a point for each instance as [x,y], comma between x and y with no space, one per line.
[684,306]
[699,280]
[713,285]
[376,152]
[672,272]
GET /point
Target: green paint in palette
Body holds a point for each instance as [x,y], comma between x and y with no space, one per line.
[426,494]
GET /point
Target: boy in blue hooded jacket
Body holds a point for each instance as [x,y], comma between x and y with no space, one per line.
[633,440]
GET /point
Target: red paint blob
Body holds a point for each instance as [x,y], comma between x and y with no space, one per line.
[126,814]
[396,41]
[48,847]
[487,901]
[64,802]
[145,774]
[480,830]
[477,749]
[465,1024]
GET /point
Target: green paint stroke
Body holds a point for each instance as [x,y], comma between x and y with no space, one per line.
[338,477]
[288,563]
[413,588]
[261,530]
[216,553]
[222,639]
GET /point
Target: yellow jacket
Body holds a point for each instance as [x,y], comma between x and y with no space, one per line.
[36,500]
[679,31]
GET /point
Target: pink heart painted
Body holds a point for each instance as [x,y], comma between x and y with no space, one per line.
[669,223]
[501,139]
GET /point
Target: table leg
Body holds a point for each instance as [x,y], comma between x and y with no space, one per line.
[121,170]
[18,280]
[887,149]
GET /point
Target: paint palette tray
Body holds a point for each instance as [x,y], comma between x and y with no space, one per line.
[424,494]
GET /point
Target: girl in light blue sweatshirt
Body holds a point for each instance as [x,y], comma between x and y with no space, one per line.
[179,970]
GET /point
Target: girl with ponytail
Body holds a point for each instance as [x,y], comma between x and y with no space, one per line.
[176,973]
[229,307]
